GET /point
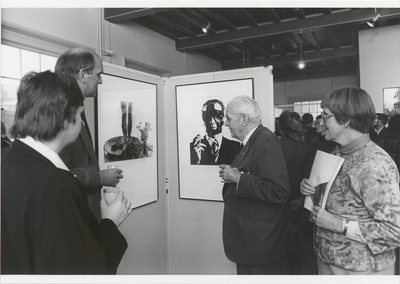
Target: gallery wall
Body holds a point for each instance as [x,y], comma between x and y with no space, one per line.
[379,61]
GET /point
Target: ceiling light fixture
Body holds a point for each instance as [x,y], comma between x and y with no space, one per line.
[205,29]
[301,64]
[372,23]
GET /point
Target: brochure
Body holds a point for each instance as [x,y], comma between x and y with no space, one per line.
[323,173]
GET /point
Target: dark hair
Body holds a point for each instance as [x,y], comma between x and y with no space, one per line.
[296,115]
[394,124]
[351,104]
[74,60]
[45,101]
[382,117]
[290,127]
[307,118]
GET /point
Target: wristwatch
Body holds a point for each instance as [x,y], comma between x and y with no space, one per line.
[346,226]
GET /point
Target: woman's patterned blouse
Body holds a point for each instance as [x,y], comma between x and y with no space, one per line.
[366,190]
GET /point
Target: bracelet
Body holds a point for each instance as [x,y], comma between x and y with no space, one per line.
[346,226]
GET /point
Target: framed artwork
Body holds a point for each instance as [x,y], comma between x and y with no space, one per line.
[391,101]
[204,142]
[127,135]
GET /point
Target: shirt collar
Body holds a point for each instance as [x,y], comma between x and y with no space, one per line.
[45,151]
[217,137]
[246,139]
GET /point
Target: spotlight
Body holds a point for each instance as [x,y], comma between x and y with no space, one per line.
[301,65]
[372,23]
[205,29]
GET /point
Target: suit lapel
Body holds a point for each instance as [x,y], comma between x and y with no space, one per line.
[87,142]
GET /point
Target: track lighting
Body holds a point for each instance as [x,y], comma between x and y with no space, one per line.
[372,23]
[205,29]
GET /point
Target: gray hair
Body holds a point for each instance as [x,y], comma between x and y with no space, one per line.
[245,105]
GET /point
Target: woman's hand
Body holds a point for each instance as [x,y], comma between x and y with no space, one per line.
[307,187]
[326,220]
[117,211]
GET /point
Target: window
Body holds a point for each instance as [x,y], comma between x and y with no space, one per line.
[313,107]
[302,107]
[15,64]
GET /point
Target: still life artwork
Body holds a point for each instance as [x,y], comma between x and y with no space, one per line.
[133,141]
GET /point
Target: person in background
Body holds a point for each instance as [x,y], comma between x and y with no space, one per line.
[379,125]
[5,141]
[86,67]
[296,115]
[359,229]
[298,162]
[390,142]
[258,229]
[46,224]
[310,135]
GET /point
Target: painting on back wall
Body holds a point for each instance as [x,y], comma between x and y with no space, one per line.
[391,101]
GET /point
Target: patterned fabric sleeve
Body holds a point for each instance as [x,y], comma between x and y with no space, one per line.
[379,190]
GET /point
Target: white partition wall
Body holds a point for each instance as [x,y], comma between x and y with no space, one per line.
[195,226]
[169,234]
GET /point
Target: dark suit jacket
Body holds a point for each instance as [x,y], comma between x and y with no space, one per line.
[257,225]
[298,163]
[81,159]
[227,153]
[46,224]
[383,133]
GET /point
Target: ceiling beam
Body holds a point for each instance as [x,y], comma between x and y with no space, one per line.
[283,27]
[312,74]
[117,15]
[307,57]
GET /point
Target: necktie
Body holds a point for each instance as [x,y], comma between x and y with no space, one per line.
[215,148]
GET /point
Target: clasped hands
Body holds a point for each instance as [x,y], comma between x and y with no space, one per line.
[229,174]
[319,216]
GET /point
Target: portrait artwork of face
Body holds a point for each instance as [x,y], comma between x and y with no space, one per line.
[213,117]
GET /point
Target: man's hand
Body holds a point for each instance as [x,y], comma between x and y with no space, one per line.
[110,177]
[229,174]
[198,147]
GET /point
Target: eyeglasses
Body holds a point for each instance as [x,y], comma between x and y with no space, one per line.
[326,116]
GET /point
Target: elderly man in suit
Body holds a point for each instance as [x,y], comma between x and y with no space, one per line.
[257,224]
[86,67]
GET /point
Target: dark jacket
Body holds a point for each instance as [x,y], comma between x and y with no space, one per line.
[81,159]
[257,225]
[46,224]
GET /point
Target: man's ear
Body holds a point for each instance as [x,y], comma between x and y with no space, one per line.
[65,124]
[82,75]
[245,119]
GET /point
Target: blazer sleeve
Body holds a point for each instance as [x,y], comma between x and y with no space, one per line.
[113,242]
[267,180]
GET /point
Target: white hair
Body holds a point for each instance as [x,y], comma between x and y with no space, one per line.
[245,105]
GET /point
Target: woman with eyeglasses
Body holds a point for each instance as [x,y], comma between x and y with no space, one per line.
[358,230]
